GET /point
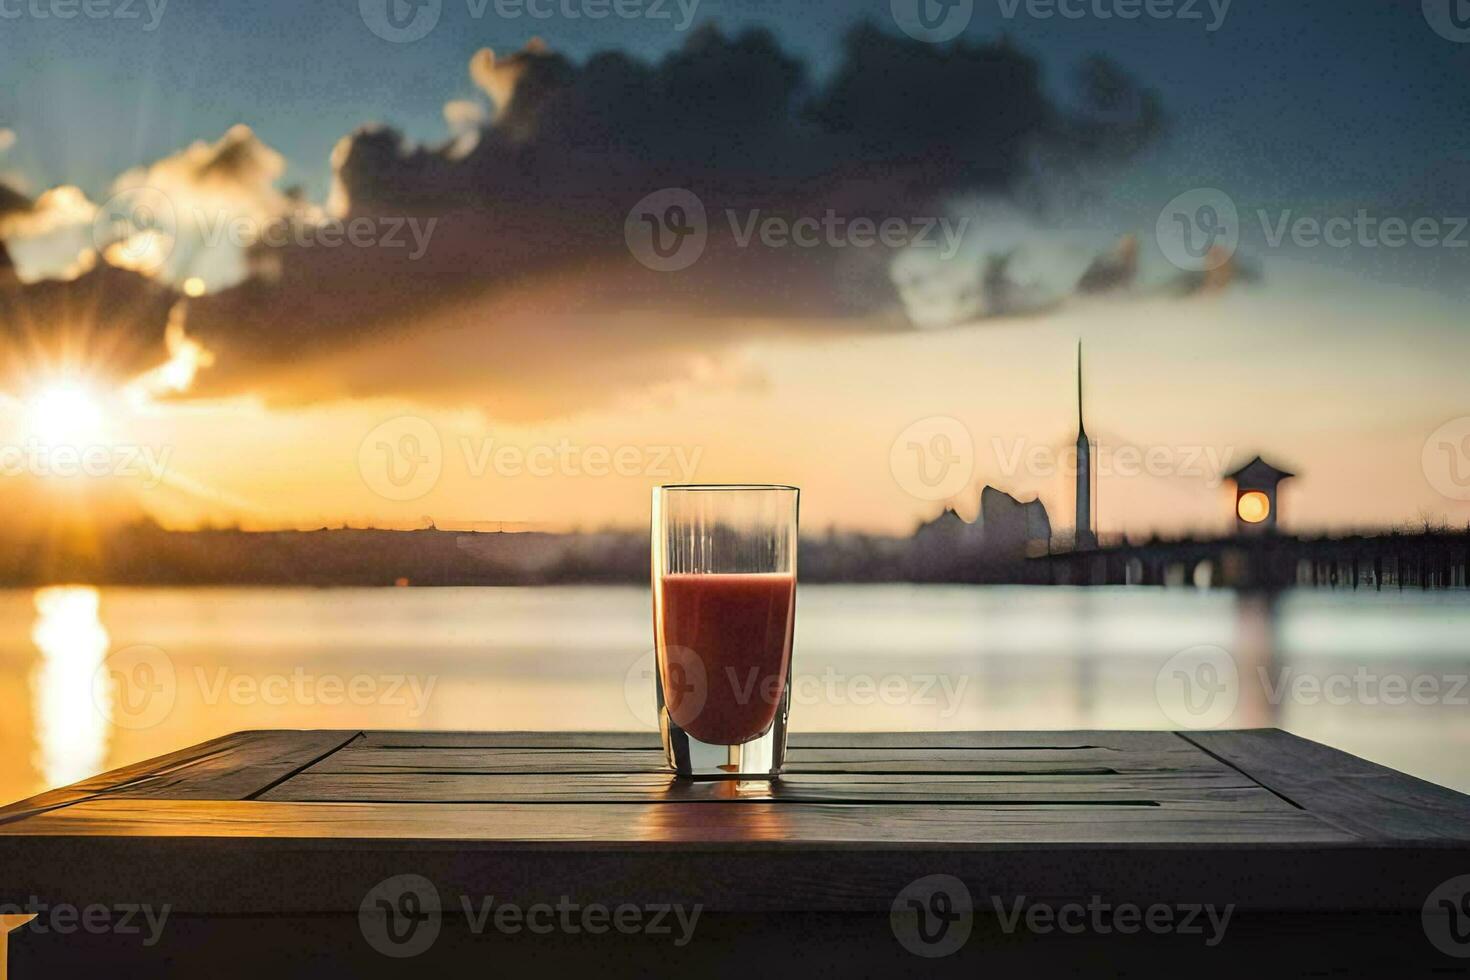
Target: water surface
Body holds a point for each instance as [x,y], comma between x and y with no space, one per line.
[94,679]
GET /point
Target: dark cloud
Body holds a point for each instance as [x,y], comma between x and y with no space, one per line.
[526,290]
[12,201]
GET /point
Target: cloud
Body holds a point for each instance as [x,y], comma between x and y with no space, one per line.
[196,214]
[525,295]
[50,237]
[467,120]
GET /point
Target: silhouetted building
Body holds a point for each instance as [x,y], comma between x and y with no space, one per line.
[1013,529]
[992,549]
[1255,496]
[1086,537]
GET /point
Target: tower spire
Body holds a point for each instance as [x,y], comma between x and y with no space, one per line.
[1086,538]
[1080,427]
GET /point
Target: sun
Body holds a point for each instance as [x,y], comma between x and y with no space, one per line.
[65,413]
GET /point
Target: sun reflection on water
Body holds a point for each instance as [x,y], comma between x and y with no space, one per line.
[71,732]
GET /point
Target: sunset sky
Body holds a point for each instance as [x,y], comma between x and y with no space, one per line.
[481,382]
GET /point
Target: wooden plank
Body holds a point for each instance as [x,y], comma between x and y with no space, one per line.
[674,824]
[1159,741]
[1229,791]
[283,877]
[508,740]
[364,758]
[229,768]
[1356,795]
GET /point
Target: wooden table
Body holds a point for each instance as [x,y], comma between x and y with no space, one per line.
[271,849]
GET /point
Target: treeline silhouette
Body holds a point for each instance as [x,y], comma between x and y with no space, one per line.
[146,554]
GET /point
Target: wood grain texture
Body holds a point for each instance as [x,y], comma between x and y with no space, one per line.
[1369,800]
[230,768]
[1202,792]
[768,824]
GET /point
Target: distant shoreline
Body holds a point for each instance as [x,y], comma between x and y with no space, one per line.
[945,551]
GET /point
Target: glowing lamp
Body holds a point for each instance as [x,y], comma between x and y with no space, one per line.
[1253,507]
[1255,496]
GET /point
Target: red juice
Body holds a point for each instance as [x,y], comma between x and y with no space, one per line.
[727,645]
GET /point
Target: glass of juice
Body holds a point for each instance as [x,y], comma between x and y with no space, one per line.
[724,606]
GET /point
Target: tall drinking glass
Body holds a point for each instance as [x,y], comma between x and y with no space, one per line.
[724,606]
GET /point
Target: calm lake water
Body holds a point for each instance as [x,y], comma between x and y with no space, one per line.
[94,679]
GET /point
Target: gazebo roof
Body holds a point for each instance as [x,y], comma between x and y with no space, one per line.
[1258,472]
